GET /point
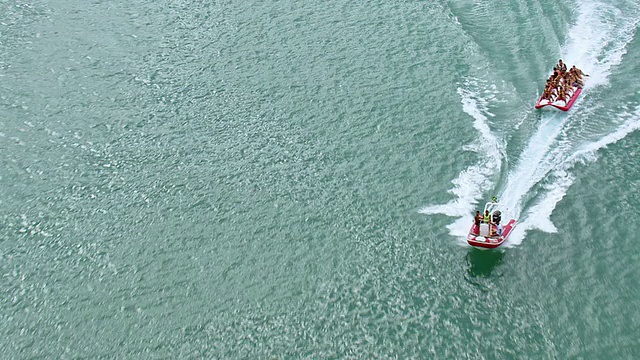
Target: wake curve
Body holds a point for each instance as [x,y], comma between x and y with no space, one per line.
[469,184]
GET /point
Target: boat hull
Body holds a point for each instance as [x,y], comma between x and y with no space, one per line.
[489,242]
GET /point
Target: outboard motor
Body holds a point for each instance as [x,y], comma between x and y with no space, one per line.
[496,217]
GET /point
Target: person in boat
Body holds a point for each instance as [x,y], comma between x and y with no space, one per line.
[553,91]
[487,217]
[572,71]
[568,78]
[562,67]
[576,77]
[547,94]
[567,84]
[578,83]
[548,85]
[550,82]
[478,218]
[575,81]
[577,71]
[562,95]
[496,230]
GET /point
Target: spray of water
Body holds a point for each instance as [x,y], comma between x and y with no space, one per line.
[469,184]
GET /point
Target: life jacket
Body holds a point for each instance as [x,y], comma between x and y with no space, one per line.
[487,217]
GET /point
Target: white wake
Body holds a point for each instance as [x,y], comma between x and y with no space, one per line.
[469,185]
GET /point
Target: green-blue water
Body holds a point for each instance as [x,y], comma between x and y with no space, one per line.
[249,179]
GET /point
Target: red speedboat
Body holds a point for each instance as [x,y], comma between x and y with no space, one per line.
[492,234]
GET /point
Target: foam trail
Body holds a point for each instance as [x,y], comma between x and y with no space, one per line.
[597,43]
[526,176]
[560,178]
[627,128]
[598,40]
[469,184]
[539,215]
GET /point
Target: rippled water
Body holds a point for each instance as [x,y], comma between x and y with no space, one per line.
[292,180]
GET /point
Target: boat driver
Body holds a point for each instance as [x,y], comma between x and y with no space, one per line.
[562,66]
[479,218]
